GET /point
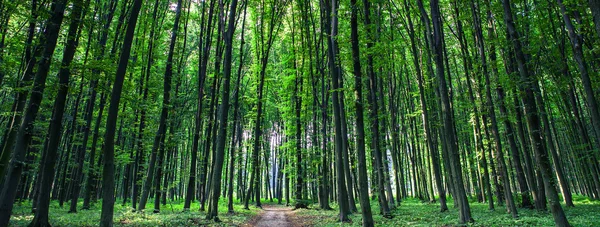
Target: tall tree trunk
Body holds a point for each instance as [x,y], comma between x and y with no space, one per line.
[373,113]
[577,47]
[162,128]
[224,113]
[204,50]
[80,149]
[237,119]
[297,99]
[41,214]
[533,120]
[448,126]
[365,206]
[334,65]
[514,150]
[273,26]
[25,131]
[108,181]
[29,62]
[491,110]
[91,179]
[435,156]
[159,138]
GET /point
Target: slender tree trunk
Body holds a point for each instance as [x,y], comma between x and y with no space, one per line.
[204,50]
[533,120]
[77,175]
[25,131]
[29,62]
[108,181]
[491,110]
[365,206]
[582,65]
[41,215]
[237,119]
[514,150]
[159,138]
[159,142]
[277,10]
[334,65]
[224,113]
[89,187]
[373,112]
[449,134]
[435,156]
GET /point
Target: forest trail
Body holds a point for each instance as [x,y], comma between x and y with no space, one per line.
[274,216]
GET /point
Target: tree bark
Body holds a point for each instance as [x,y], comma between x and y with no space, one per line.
[435,156]
[25,131]
[41,214]
[449,133]
[373,113]
[582,65]
[533,120]
[204,51]
[108,181]
[224,113]
[237,129]
[491,110]
[365,205]
[335,73]
[29,61]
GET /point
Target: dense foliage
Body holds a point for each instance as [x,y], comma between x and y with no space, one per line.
[365,107]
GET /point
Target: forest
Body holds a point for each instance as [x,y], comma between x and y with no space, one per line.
[299,113]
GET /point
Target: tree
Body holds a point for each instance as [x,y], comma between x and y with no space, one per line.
[25,131]
[365,206]
[108,171]
[224,113]
[448,126]
[533,121]
[41,214]
[335,74]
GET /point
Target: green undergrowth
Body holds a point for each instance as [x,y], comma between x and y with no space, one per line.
[413,212]
[170,215]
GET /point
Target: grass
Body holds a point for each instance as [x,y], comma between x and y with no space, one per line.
[412,212]
[170,215]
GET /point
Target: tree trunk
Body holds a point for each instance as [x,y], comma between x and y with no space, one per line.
[582,65]
[491,110]
[41,215]
[237,129]
[29,61]
[365,205]
[373,112]
[449,133]
[25,131]
[108,181]
[435,156]
[204,51]
[533,120]
[334,65]
[224,113]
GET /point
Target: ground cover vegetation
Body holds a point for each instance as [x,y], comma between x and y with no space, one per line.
[370,112]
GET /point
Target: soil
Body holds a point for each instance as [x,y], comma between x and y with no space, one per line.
[279,216]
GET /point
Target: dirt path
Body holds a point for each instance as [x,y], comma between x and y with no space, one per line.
[274,216]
